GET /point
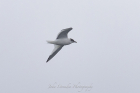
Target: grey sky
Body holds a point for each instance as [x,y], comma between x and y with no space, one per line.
[106,55]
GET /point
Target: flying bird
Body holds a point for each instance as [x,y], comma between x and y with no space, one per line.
[61,40]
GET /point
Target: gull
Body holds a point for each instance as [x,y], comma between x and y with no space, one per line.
[61,40]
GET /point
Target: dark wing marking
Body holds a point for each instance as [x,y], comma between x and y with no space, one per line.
[63,33]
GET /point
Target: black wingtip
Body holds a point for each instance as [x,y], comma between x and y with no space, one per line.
[48,59]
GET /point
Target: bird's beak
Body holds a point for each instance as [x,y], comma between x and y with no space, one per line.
[75,41]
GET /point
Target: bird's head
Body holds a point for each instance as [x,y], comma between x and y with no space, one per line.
[72,41]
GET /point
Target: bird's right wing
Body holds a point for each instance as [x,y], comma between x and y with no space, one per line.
[57,48]
[63,33]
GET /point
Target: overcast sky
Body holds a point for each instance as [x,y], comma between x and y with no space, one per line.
[106,58]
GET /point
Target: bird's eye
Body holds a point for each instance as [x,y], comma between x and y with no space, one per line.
[72,40]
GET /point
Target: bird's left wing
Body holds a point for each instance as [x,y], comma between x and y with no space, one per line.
[57,48]
[63,33]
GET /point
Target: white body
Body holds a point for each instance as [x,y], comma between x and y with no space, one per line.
[65,41]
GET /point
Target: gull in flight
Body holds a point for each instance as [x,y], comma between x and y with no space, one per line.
[60,41]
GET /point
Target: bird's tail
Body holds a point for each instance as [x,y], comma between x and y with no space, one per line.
[50,42]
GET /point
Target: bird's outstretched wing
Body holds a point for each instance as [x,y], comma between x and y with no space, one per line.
[63,33]
[57,48]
